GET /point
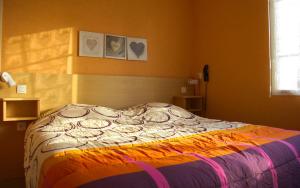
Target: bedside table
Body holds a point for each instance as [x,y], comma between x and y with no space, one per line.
[19,109]
[192,104]
[14,113]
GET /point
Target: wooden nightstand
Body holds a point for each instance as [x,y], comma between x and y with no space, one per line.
[193,104]
[20,109]
[15,114]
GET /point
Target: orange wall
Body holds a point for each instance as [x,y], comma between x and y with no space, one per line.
[41,36]
[233,40]
[231,36]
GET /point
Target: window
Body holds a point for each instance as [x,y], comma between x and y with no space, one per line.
[285,46]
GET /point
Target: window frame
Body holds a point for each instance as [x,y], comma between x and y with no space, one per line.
[272,55]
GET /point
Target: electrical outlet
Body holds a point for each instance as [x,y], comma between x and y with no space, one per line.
[183,89]
[21,89]
[21,126]
[192,82]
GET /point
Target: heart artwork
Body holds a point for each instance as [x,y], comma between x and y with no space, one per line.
[137,48]
[91,44]
[115,45]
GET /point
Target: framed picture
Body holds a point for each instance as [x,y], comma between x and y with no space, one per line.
[115,46]
[137,49]
[91,44]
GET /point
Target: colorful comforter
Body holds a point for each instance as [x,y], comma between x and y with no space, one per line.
[156,145]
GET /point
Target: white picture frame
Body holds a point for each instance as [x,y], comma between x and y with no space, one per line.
[91,44]
[137,49]
[115,47]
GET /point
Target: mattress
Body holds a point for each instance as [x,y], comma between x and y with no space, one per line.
[156,145]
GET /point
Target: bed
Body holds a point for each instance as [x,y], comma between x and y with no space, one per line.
[155,145]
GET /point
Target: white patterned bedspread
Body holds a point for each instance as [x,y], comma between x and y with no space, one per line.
[77,127]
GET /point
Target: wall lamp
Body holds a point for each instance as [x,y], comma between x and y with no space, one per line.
[7,78]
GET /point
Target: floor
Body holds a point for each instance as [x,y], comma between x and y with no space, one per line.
[12,183]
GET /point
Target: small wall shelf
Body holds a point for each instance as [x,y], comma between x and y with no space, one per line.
[20,109]
[193,104]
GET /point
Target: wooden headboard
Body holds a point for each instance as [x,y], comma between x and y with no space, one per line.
[124,91]
[56,90]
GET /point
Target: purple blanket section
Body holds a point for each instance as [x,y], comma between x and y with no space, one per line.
[243,169]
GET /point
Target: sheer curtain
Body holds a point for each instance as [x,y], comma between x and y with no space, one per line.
[285,46]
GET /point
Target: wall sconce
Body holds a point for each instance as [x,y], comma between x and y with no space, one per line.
[7,78]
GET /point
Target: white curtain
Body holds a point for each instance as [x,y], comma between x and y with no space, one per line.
[285,46]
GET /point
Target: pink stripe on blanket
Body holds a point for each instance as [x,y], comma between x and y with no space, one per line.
[290,146]
[267,158]
[270,164]
[216,167]
[263,154]
[156,175]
